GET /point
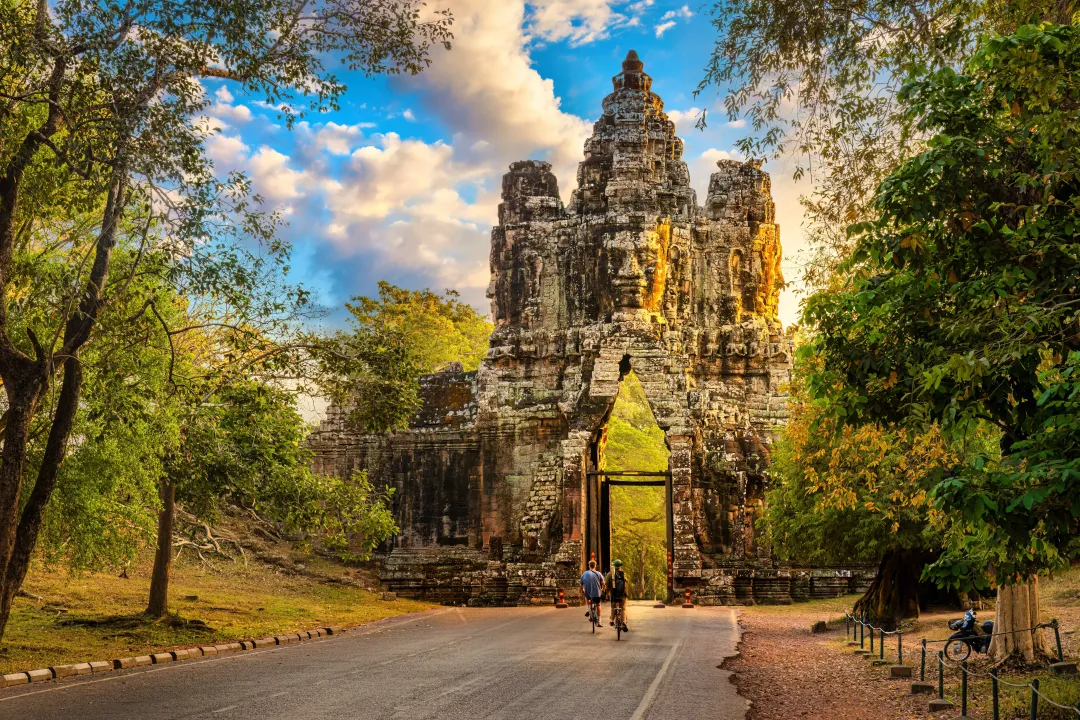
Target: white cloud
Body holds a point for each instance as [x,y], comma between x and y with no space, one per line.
[683,12]
[223,95]
[228,153]
[637,7]
[487,89]
[340,139]
[408,115]
[684,119]
[272,176]
[668,19]
[575,21]
[740,123]
[239,114]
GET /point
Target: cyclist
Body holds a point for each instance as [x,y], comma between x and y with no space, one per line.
[592,587]
[616,583]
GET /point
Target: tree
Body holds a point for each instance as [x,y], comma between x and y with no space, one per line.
[963,309]
[244,446]
[818,83]
[373,368]
[99,107]
[841,493]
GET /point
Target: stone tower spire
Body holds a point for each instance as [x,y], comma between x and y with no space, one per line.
[633,161]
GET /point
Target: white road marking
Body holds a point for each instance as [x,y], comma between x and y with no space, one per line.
[225,709]
[284,692]
[650,694]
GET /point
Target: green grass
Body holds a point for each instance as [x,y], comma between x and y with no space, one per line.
[97,616]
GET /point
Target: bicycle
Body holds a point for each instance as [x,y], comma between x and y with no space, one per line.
[594,615]
[618,614]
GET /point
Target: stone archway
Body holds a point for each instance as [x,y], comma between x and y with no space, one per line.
[492,478]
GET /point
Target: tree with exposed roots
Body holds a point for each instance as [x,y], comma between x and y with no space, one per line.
[963,309]
[842,493]
[100,113]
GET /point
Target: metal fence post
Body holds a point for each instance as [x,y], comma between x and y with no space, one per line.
[882,639]
[994,692]
[963,688]
[871,639]
[1035,699]
[862,633]
[1057,639]
[922,664]
[941,675]
[899,648]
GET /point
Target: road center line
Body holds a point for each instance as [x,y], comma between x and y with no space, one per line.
[650,694]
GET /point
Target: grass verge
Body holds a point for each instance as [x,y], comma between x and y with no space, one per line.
[97,616]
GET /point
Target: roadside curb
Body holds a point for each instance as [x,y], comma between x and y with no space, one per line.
[96,668]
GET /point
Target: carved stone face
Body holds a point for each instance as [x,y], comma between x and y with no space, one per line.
[637,266]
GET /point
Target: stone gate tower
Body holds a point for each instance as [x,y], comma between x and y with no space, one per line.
[493,492]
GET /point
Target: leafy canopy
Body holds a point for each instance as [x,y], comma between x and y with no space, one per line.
[963,306]
[373,369]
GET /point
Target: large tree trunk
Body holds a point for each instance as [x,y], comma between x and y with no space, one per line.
[894,593]
[159,580]
[1017,611]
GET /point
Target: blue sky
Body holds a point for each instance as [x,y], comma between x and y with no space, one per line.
[402,183]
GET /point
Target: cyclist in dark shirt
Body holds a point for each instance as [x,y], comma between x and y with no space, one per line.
[616,582]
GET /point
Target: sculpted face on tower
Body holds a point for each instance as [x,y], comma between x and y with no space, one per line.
[637,266]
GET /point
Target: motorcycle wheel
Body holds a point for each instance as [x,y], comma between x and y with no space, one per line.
[957,650]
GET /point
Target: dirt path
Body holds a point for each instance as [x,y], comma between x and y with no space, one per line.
[786,672]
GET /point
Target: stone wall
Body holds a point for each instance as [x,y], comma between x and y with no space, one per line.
[493,496]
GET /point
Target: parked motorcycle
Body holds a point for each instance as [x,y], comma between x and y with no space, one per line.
[969,635]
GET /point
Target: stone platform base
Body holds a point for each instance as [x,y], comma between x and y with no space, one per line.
[461,576]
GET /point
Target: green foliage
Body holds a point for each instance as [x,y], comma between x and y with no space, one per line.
[440,329]
[638,515]
[818,83]
[245,446]
[841,493]
[962,307]
[373,368]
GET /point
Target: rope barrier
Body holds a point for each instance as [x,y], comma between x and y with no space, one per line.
[966,672]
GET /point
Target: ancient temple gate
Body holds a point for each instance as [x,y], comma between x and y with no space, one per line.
[495,492]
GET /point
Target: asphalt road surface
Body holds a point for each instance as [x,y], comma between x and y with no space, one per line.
[450,663]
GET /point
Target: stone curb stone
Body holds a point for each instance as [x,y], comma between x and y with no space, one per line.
[13,679]
[223,649]
[208,650]
[1064,668]
[184,655]
[283,639]
[922,688]
[247,644]
[264,642]
[83,669]
[39,675]
[159,658]
[333,630]
[143,660]
[320,633]
[235,647]
[900,671]
[101,666]
[63,671]
[122,663]
[939,704]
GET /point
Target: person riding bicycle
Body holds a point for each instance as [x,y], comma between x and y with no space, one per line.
[616,583]
[592,587]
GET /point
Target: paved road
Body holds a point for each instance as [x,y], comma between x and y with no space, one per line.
[450,663]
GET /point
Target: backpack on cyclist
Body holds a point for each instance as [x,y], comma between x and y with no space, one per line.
[618,586]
